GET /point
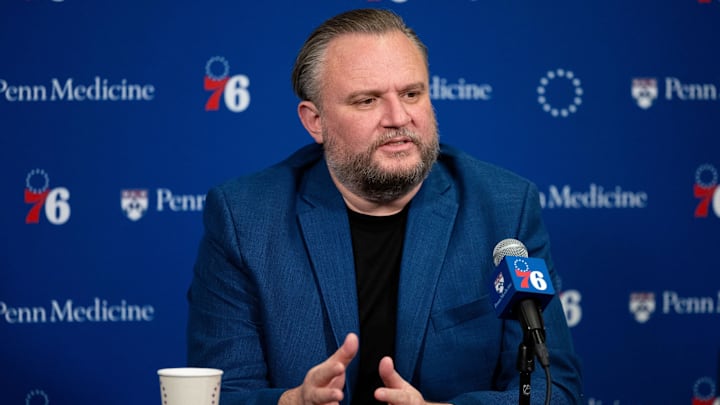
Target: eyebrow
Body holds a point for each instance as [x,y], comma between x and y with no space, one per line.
[419,86]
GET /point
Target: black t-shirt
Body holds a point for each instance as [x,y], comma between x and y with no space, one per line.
[377,249]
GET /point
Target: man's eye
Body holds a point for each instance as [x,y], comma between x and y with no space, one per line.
[413,95]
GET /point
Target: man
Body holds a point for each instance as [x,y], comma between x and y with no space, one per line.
[356,271]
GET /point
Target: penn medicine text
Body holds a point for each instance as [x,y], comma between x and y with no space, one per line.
[674,88]
[593,197]
[674,303]
[99,89]
[99,310]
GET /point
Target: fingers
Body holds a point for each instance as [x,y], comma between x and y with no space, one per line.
[303,395]
[397,391]
[390,377]
[347,351]
[324,383]
[335,365]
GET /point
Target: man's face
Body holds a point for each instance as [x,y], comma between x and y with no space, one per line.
[378,125]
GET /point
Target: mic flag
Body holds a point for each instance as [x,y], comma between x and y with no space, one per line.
[518,278]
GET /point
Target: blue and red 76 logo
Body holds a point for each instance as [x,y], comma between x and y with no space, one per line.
[232,89]
[528,277]
[40,195]
[706,190]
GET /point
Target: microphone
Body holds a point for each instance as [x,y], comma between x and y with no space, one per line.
[520,289]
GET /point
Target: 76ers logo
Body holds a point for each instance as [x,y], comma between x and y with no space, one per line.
[40,195]
[706,189]
[233,89]
[529,277]
[704,391]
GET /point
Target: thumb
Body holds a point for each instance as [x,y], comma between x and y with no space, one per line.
[389,376]
[347,351]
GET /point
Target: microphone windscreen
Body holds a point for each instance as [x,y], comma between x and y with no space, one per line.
[508,247]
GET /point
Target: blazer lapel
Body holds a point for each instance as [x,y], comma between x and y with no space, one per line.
[430,223]
[324,225]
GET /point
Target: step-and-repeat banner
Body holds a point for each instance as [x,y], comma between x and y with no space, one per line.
[116,118]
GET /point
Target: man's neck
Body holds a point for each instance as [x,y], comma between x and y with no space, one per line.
[367,207]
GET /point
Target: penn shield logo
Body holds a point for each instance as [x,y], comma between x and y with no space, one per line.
[647,90]
[672,303]
[642,305]
[644,91]
[134,203]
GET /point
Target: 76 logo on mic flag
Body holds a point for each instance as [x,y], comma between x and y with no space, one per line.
[519,278]
[528,277]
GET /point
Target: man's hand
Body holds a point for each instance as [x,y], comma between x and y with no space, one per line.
[397,391]
[324,383]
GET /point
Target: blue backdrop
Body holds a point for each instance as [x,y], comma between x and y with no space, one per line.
[116,118]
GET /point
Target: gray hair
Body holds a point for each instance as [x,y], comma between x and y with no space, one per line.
[308,64]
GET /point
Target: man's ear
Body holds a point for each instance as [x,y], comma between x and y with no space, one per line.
[311,120]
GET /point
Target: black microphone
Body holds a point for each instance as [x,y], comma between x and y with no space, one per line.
[521,288]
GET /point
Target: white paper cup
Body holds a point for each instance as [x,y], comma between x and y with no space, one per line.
[190,386]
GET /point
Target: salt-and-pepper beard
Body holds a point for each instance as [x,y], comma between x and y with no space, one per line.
[367,179]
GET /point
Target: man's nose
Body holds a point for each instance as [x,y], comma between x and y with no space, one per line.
[395,114]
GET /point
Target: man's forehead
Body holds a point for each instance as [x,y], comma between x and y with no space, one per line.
[350,43]
[359,53]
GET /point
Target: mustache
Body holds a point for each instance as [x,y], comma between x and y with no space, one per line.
[396,133]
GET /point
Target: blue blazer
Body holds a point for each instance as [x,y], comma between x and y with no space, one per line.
[274,294]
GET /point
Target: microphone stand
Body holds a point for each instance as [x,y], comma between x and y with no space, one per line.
[525,365]
[533,344]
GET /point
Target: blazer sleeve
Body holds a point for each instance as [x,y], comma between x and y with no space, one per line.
[224,325]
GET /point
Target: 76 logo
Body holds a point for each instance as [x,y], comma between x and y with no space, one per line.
[534,277]
[40,195]
[706,190]
[232,89]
